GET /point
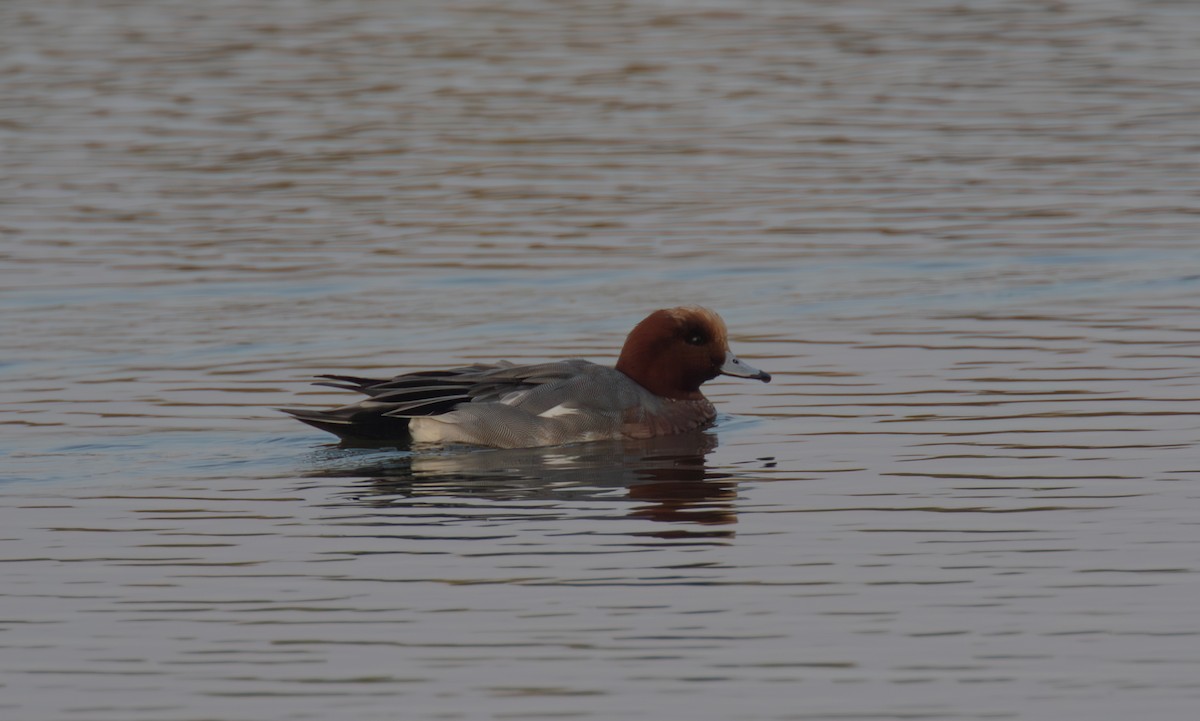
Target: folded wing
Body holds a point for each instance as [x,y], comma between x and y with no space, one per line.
[384,414]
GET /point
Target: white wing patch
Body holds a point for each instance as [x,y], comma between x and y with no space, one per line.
[562,409]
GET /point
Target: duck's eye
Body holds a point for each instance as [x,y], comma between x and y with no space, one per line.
[696,339]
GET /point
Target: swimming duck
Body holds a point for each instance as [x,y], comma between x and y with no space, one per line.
[654,390]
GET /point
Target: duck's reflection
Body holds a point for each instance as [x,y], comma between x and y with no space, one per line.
[667,478]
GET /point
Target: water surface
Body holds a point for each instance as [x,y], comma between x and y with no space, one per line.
[962,236]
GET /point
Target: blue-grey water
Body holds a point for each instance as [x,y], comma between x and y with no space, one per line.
[964,236]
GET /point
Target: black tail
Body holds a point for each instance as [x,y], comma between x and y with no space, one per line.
[355,425]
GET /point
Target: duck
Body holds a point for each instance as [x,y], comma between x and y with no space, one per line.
[653,390]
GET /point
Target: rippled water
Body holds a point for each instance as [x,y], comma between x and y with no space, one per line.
[963,237]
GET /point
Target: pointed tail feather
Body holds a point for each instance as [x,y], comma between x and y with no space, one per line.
[356,427]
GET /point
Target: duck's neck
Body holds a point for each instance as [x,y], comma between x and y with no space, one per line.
[663,380]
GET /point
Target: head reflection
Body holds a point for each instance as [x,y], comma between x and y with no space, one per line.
[666,478]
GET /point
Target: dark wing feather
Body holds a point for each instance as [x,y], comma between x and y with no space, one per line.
[427,406]
[348,382]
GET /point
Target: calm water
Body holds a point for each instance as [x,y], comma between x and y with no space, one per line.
[963,236]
